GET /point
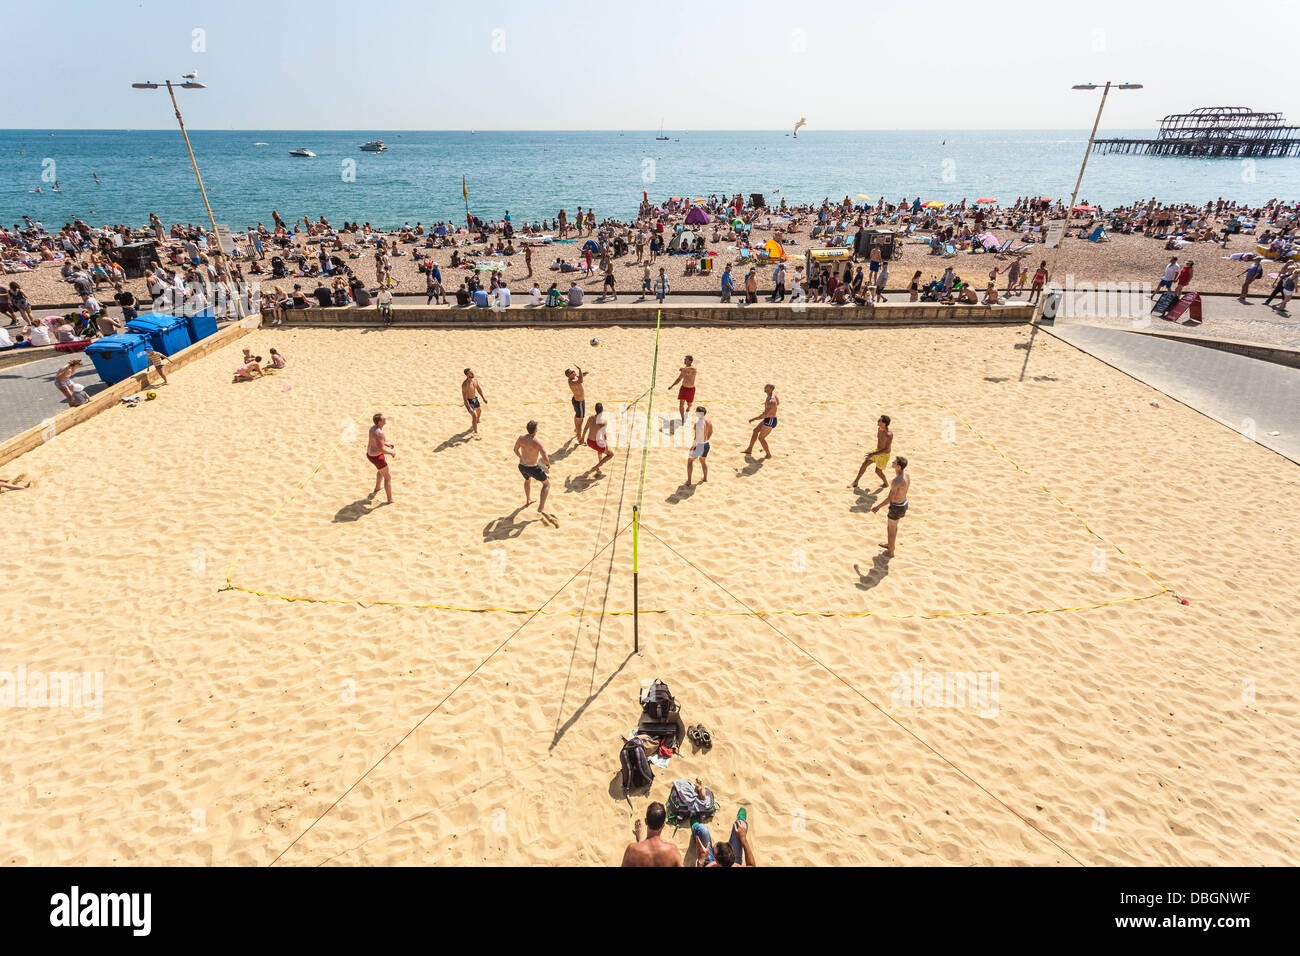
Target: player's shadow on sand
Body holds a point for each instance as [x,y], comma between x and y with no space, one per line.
[752,467]
[683,492]
[358,509]
[866,499]
[505,527]
[460,438]
[579,483]
[565,450]
[879,568]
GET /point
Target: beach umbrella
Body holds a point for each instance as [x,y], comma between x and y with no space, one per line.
[934,204]
[863,196]
[1045,199]
[986,200]
[1085,208]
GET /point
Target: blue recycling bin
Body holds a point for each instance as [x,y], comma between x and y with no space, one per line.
[167,334]
[118,357]
[201,324]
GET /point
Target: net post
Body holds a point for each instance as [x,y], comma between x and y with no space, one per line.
[636,540]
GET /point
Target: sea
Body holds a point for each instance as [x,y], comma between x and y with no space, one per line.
[423,176]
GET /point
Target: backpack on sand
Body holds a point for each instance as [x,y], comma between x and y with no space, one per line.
[636,771]
[657,701]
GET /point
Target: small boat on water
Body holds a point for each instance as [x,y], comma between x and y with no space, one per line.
[261,144]
[302,151]
[374,146]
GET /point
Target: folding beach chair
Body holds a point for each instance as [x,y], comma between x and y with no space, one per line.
[949,250]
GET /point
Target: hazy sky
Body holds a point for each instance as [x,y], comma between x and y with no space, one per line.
[760,64]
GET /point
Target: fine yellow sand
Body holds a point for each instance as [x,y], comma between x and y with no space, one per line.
[1139,732]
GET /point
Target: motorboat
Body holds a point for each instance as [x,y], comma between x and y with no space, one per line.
[374,146]
[302,151]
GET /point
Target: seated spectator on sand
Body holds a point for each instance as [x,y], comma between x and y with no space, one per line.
[737,851]
[654,850]
[250,369]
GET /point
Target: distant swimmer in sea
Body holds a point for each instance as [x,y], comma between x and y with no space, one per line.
[377,449]
[579,399]
[766,422]
[686,394]
[532,456]
[897,502]
[472,395]
[880,457]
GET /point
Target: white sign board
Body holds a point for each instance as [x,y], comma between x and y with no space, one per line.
[1055,232]
[223,240]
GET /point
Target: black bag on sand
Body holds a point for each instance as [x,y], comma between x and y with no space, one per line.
[635,765]
[657,701]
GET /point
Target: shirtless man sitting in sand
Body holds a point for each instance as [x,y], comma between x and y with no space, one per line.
[654,850]
[767,423]
[471,393]
[880,457]
[897,502]
[686,394]
[528,450]
[579,399]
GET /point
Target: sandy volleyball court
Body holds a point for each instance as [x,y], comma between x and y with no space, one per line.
[1115,726]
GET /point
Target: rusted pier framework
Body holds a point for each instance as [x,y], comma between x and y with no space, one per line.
[1214,131]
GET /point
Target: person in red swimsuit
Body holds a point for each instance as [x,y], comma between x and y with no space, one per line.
[686,394]
[375,451]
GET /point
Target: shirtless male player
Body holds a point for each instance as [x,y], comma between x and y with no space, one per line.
[528,450]
[579,399]
[897,502]
[471,392]
[376,448]
[686,394]
[880,457]
[596,438]
[767,423]
[700,450]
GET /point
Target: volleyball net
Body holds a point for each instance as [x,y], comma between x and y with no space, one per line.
[640,489]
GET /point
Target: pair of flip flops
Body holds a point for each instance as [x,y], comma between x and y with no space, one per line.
[699,736]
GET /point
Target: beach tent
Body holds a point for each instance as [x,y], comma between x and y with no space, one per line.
[775,251]
[590,246]
[697,217]
[684,241]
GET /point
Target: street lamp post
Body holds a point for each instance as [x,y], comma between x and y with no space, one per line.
[190,83]
[1074,196]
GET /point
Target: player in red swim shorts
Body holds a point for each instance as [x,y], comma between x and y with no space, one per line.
[686,395]
[376,448]
[596,439]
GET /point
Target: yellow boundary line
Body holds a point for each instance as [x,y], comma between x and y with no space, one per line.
[1162,587]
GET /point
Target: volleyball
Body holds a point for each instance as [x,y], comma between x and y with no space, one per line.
[595,342]
[150,396]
